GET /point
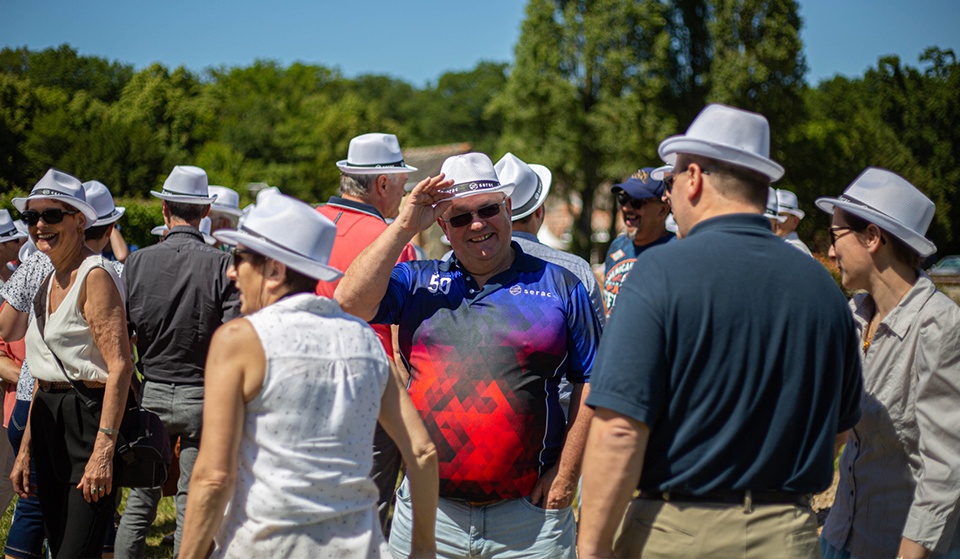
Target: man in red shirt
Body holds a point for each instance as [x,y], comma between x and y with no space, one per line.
[371,186]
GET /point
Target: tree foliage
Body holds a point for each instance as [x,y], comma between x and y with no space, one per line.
[594,87]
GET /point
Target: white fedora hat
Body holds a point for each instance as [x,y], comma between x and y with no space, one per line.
[186,184]
[59,186]
[99,197]
[891,203]
[374,154]
[532,184]
[660,173]
[228,201]
[472,173]
[288,231]
[8,228]
[727,134]
[773,209]
[787,203]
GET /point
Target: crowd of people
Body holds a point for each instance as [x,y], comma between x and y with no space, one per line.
[333,394]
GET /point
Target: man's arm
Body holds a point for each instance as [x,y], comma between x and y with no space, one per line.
[611,471]
[557,486]
[365,281]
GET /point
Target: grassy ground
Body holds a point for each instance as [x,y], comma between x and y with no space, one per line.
[165,523]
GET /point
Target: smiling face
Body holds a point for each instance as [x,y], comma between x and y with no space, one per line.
[55,239]
[483,245]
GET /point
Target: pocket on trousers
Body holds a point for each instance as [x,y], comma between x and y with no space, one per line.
[403,492]
[527,503]
[658,523]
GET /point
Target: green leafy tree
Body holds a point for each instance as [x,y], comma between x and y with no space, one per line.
[583,95]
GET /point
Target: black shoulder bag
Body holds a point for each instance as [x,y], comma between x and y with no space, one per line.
[143,443]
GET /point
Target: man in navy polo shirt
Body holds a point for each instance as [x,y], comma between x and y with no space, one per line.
[640,198]
[487,336]
[724,377]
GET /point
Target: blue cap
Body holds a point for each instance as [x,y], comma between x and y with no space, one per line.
[641,185]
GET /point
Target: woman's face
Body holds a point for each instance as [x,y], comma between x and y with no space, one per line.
[54,238]
[851,255]
[246,272]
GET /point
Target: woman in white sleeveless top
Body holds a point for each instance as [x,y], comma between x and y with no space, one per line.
[294,391]
[81,322]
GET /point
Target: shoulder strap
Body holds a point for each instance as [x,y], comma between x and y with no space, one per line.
[40,311]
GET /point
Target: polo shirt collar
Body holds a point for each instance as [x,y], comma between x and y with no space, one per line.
[902,316]
[741,222]
[526,236]
[361,207]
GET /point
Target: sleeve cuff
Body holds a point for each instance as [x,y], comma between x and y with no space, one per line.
[924,528]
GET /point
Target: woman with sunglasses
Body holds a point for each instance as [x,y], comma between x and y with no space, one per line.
[293,393]
[80,355]
[900,471]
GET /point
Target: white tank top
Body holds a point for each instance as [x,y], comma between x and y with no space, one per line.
[303,486]
[68,334]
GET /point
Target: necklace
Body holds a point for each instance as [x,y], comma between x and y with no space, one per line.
[870,333]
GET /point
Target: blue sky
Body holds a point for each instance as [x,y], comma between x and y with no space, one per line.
[415,40]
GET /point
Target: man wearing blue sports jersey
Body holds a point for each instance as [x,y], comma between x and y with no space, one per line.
[487,336]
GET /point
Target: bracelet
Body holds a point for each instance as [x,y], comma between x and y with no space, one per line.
[110,432]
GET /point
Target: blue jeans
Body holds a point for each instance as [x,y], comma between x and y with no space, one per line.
[25,538]
[180,407]
[510,529]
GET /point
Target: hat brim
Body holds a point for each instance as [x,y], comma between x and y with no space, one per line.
[914,240]
[235,212]
[159,230]
[302,264]
[799,213]
[670,147]
[346,167]
[185,198]
[112,218]
[84,208]
[546,178]
[659,173]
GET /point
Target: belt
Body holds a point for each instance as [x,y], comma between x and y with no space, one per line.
[484,503]
[48,386]
[746,498]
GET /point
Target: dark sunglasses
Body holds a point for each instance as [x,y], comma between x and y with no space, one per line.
[668,180]
[49,216]
[625,199]
[238,253]
[485,212]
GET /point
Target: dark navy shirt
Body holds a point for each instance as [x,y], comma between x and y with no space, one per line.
[740,355]
[486,364]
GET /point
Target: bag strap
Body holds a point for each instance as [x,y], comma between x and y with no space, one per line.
[92,404]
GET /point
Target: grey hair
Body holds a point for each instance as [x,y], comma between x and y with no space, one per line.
[357,185]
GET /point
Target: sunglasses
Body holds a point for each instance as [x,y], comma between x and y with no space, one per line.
[668,180]
[237,254]
[485,212]
[50,216]
[625,199]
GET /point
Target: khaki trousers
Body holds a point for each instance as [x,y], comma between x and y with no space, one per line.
[654,529]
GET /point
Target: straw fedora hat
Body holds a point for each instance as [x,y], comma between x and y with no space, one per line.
[186,184]
[59,186]
[374,154]
[532,184]
[472,173]
[891,203]
[727,134]
[288,231]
